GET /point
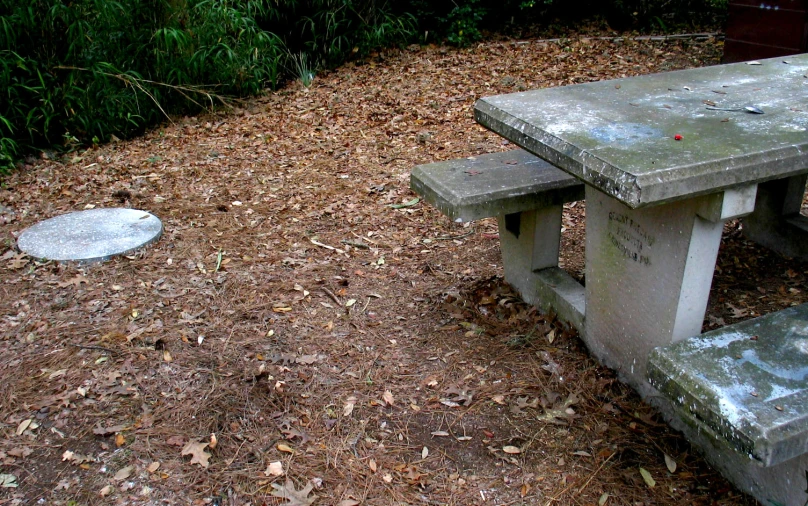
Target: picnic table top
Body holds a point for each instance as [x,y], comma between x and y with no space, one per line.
[620,136]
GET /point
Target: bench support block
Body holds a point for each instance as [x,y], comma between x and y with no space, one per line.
[530,244]
[776,222]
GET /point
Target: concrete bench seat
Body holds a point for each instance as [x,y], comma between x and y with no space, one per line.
[495,184]
[526,194]
[744,389]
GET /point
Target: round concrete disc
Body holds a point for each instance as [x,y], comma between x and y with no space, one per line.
[90,236]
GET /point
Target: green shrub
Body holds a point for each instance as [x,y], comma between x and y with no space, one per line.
[464,21]
[81,71]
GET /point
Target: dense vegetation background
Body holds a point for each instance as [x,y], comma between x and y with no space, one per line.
[79,72]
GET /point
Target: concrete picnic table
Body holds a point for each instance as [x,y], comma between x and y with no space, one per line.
[663,172]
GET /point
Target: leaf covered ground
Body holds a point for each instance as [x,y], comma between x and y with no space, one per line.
[298,336]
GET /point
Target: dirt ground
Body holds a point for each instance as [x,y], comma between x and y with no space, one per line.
[294,334]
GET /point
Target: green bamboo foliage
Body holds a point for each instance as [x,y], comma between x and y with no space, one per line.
[80,71]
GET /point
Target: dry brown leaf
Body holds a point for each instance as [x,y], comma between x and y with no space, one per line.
[197,452]
[670,463]
[293,496]
[106,431]
[285,448]
[124,473]
[23,426]
[349,406]
[388,397]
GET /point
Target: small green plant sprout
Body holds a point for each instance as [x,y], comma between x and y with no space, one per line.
[303,69]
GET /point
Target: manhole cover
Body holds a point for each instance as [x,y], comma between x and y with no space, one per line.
[90,236]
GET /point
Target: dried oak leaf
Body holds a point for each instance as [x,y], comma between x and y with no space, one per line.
[294,497]
[106,431]
[197,452]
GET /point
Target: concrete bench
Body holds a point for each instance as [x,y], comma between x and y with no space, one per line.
[741,393]
[526,195]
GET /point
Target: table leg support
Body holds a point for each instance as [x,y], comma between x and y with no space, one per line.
[777,222]
[648,274]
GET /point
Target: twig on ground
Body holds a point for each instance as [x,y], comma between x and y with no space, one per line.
[453,237]
[586,483]
[331,294]
[97,348]
[355,244]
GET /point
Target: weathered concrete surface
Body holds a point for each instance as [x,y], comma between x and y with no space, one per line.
[741,393]
[619,135]
[530,246]
[94,235]
[494,184]
[776,222]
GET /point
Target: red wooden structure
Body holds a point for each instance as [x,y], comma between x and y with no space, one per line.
[765,29]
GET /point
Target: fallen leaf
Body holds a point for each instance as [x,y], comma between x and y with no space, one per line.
[284,448]
[348,502]
[18,262]
[293,496]
[349,406]
[274,469]
[56,374]
[173,440]
[511,450]
[670,463]
[646,477]
[124,473]
[197,452]
[23,426]
[8,481]
[119,440]
[105,491]
[372,465]
[154,466]
[603,499]
[20,452]
[106,431]
[440,433]
[425,452]
[76,281]
[409,203]
[388,397]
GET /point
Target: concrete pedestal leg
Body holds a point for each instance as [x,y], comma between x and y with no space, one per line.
[530,243]
[648,274]
[776,222]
